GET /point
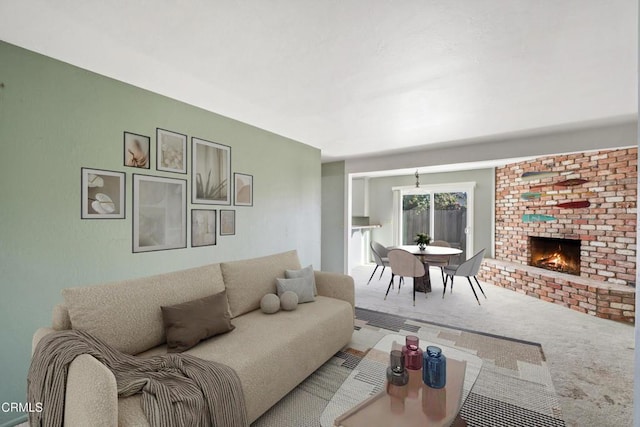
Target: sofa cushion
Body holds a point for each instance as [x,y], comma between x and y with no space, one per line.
[300,286]
[291,344]
[127,314]
[307,273]
[249,280]
[286,348]
[189,323]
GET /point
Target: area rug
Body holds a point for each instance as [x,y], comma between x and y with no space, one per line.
[514,387]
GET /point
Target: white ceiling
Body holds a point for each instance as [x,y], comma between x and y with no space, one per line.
[357,77]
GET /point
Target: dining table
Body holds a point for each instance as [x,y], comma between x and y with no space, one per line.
[441,253]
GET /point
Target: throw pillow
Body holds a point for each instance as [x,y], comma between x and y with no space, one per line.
[289,301]
[307,273]
[301,286]
[189,323]
[270,303]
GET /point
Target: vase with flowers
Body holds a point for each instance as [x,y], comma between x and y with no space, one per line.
[422,239]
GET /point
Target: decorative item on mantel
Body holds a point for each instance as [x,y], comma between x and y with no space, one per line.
[537,218]
[422,239]
[562,184]
[535,195]
[529,176]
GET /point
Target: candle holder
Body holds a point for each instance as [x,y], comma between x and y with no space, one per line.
[396,372]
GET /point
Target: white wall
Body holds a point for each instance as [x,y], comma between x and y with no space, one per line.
[592,138]
[358,197]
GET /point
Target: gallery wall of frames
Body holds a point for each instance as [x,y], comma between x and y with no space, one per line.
[160,202]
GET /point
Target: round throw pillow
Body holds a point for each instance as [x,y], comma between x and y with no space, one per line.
[270,303]
[289,300]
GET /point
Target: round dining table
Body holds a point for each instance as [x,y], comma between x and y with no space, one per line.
[443,253]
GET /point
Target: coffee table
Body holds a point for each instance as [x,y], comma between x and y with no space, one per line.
[364,393]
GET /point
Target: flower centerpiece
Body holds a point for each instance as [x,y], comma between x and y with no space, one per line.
[422,239]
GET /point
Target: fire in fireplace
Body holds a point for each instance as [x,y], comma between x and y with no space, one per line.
[562,255]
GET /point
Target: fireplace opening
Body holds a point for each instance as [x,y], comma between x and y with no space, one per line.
[562,255]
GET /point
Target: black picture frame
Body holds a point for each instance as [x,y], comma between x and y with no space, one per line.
[137,150]
[227,222]
[203,227]
[243,189]
[210,172]
[102,194]
[171,151]
[159,213]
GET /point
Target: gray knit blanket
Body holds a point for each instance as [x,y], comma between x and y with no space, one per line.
[177,389]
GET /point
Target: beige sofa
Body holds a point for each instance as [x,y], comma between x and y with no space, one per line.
[272,353]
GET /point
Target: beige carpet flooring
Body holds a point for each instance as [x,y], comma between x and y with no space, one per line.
[590,359]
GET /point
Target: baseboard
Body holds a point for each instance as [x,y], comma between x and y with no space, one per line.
[19,420]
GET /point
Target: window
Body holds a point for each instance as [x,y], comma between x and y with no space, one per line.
[444,212]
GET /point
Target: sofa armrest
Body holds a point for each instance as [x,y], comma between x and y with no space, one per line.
[335,285]
[37,336]
[91,398]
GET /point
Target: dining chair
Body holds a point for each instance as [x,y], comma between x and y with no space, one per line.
[380,257]
[438,260]
[468,269]
[404,264]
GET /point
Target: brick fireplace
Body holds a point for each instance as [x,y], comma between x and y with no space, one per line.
[582,258]
[555,254]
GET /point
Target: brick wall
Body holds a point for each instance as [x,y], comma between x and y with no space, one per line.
[606,229]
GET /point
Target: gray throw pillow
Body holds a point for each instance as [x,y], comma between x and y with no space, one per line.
[306,273]
[301,286]
[189,323]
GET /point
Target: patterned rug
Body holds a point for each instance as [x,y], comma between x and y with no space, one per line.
[514,387]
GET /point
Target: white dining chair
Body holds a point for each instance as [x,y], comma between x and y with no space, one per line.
[380,256]
[404,264]
[468,269]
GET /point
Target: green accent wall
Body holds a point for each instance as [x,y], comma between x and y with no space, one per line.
[56,118]
[333,217]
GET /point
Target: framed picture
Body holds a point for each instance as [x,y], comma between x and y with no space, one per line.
[243,185]
[227,222]
[159,213]
[211,173]
[203,227]
[136,150]
[102,194]
[171,151]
